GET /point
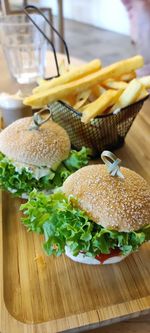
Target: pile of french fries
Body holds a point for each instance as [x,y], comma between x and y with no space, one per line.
[93,90]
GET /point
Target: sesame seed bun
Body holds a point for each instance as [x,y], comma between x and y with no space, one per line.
[112,202]
[47,146]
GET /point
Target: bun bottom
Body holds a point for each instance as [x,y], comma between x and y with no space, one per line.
[83,259]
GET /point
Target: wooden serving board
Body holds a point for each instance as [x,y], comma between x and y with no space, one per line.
[41,294]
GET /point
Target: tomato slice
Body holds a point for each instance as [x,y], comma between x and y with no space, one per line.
[113,253]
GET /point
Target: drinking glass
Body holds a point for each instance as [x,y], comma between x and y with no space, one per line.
[24,46]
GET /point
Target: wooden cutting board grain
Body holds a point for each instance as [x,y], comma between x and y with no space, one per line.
[46,294]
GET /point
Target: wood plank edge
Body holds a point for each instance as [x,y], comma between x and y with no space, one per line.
[81,322]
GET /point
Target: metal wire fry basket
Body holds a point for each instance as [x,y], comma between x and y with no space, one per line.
[105,131]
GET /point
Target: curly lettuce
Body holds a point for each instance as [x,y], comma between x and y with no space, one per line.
[62,223]
[24,181]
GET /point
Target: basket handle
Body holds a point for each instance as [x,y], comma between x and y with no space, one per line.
[28,14]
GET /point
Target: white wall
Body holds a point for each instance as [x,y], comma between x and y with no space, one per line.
[107,14]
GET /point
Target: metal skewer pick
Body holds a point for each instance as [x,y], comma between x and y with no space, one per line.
[113,168]
[38,120]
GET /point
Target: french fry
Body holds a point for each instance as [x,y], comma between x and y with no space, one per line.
[81,99]
[79,104]
[70,76]
[127,77]
[142,94]
[96,91]
[145,80]
[83,108]
[60,92]
[112,84]
[83,95]
[63,68]
[71,100]
[129,95]
[102,89]
[96,108]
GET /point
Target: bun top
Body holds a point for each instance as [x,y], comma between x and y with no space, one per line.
[112,202]
[47,146]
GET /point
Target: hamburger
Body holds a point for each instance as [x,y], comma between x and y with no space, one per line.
[36,156]
[97,218]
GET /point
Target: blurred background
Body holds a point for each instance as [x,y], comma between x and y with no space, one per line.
[97,28]
[109,30]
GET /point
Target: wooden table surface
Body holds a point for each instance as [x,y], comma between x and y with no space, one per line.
[136,156]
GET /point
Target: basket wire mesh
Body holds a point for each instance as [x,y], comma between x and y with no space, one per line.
[104,132]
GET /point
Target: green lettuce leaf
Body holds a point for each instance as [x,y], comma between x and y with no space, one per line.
[62,223]
[77,159]
[24,180]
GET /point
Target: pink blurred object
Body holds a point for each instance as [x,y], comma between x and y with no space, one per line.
[139,16]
